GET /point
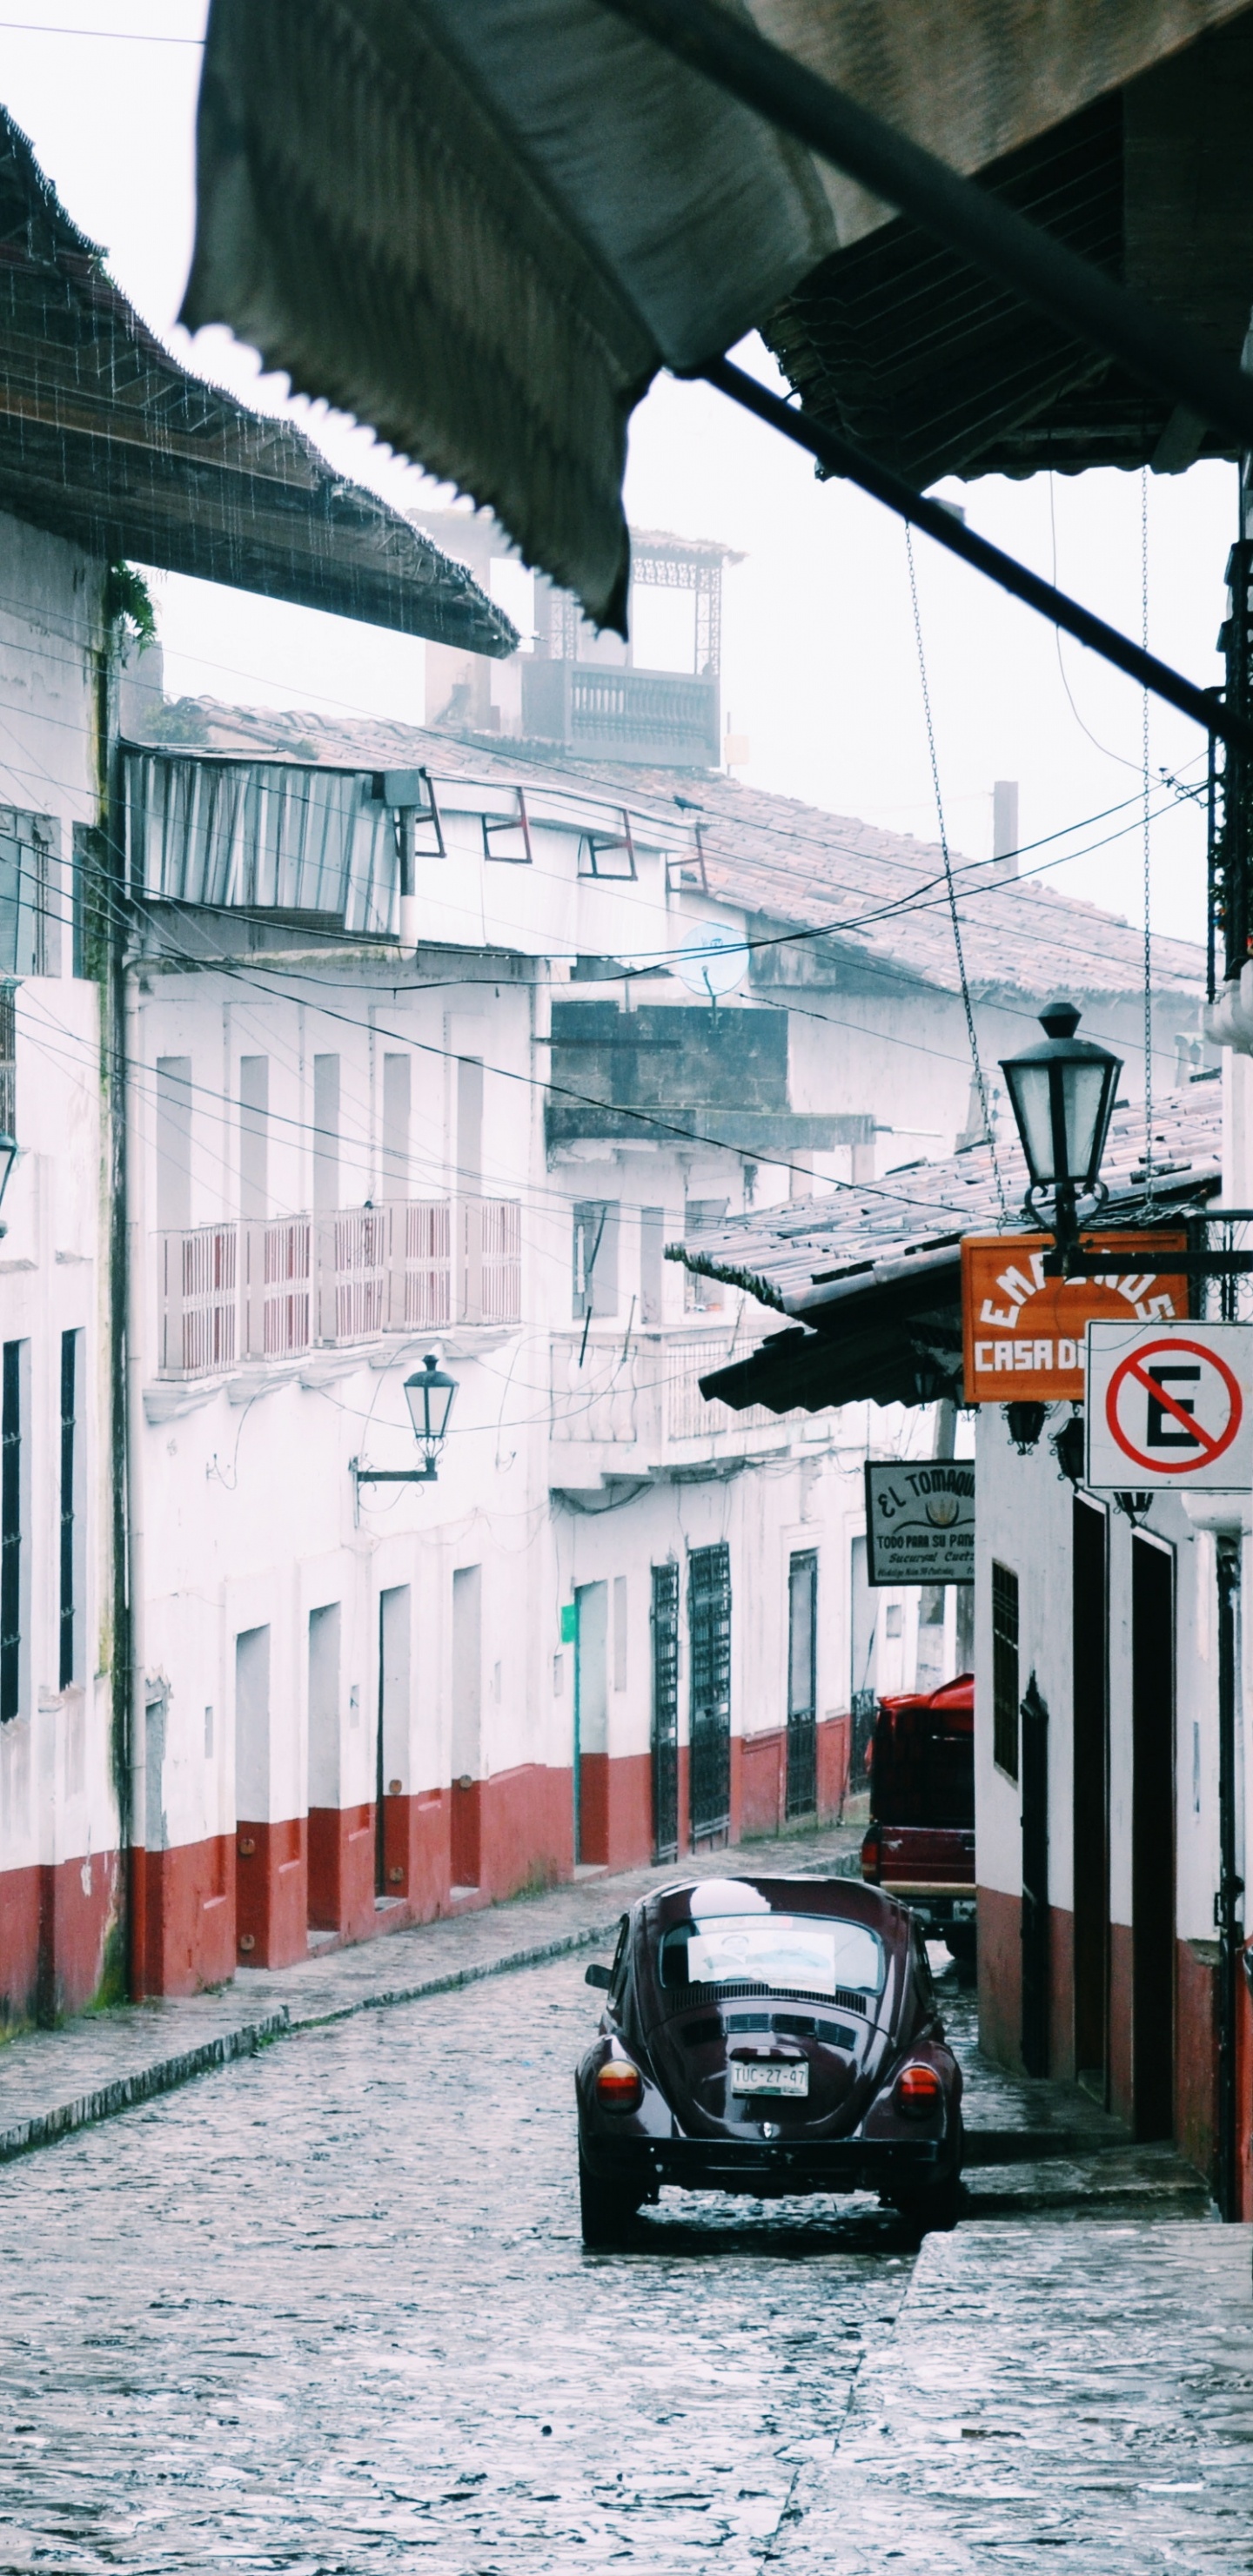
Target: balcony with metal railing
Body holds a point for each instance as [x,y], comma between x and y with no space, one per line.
[277,1288]
[634,1407]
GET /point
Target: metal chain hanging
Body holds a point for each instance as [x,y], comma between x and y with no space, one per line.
[1148,942]
[954,916]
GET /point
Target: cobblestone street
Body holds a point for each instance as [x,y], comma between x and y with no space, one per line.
[328,2309]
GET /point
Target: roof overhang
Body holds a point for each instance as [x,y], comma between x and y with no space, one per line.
[107,441]
[483,229]
[880,1320]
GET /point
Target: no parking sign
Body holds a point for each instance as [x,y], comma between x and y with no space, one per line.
[1170,1405]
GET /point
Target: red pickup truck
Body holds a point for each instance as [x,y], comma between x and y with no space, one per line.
[920,1844]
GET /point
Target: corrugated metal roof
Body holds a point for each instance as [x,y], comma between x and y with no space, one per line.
[482,228]
[874,1276]
[933,369]
[785,864]
[788,1256]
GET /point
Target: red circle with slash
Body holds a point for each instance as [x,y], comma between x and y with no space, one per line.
[1210,1445]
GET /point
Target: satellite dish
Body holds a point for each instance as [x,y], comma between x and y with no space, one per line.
[711,961]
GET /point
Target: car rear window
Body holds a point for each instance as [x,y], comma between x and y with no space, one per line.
[799,1954]
[923,1768]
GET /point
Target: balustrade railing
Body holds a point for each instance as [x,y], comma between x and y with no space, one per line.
[421,1276]
[278,1287]
[199,1300]
[272,1289]
[646,1393]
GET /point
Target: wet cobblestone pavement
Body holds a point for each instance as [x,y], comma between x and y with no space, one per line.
[315,2311]
[56,2081]
[327,2309]
[1078,2398]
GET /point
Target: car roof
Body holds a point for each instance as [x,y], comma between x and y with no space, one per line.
[955,1698]
[846,1899]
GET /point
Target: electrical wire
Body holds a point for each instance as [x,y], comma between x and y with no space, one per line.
[914,898]
[989,1135]
[106,35]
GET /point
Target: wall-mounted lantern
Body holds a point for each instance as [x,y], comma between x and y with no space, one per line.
[1069,1448]
[428,1394]
[1062,1096]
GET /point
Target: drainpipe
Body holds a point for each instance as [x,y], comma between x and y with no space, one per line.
[142,1895]
[105,933]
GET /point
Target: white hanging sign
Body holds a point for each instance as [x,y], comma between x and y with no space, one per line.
[1170,1405]
[920,1521]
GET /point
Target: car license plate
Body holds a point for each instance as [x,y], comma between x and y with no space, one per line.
[768,2079]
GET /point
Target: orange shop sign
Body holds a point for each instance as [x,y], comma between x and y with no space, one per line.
[1024,1335]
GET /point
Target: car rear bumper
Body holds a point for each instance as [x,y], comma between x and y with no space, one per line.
[939,1910]
[714,2164]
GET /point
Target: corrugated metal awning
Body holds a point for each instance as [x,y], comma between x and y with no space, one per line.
[482,225]
[873,1275]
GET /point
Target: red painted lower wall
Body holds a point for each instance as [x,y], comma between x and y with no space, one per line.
[271,1893]
[250,1898]
[188,1916]
[341,1865]
[57,1922]
[1244,2092]
[1061,1994]
[465,1826]
[526,1830]
[1121,1988]
[763,1781]
[759,1770]
[1196,2053]
[19,1948]
[616,1810]
[416,1844]
[1000,1975]
[835,1747]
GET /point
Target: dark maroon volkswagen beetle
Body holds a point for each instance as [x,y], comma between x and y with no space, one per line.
[770,2036]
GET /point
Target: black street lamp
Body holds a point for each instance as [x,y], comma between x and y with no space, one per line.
[428,1394]
[1062,1096]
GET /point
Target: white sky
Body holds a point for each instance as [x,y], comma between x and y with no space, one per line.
[820,665]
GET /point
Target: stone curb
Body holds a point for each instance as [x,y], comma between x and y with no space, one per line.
[44,2128]
[592,1936]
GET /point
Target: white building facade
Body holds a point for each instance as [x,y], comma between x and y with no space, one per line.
[620,1621]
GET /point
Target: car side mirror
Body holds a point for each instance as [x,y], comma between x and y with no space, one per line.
[598,1976]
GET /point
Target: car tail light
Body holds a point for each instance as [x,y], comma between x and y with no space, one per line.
[619,2085]
[872,1856]
[919,2091]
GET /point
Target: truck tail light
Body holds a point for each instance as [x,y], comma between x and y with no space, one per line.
[919,2091]
[872,1856]
[619,2085]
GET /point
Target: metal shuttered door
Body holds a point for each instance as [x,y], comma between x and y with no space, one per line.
[802,1687]
[709,1631]
[665,1618]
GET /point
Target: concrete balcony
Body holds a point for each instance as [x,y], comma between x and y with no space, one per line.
[275,1289]
[618,1412]
[666,719]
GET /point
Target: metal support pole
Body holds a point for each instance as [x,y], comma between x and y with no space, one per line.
[841,457]
[405,836]
[1227,1909]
